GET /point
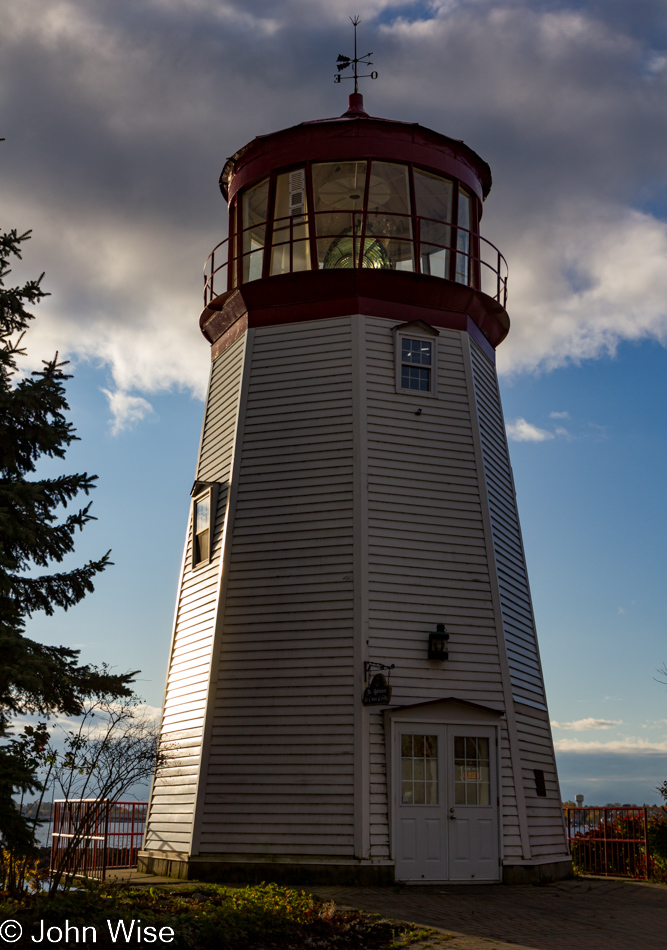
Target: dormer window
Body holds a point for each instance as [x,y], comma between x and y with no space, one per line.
[416,364]
[416,358]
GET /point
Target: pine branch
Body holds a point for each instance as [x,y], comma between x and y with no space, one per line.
[35,678]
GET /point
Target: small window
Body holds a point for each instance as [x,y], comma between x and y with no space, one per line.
[540,784]
[416,358]
[201,518]
[416,364]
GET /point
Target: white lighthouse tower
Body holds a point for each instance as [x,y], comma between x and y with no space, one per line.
[354,688]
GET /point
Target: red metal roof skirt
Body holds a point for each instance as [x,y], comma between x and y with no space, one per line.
[355,135]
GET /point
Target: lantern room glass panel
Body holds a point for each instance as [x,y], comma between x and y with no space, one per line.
[434,200]
[463,269]
[255,212]
[290,245]
[233,269]
[338,195]
[388,221]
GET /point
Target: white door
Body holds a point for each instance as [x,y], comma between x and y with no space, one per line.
[445,827]
[421,809]
[473,810]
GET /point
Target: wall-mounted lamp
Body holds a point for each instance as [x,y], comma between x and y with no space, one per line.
[438,644]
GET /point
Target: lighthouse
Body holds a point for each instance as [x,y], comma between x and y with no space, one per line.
[354,690]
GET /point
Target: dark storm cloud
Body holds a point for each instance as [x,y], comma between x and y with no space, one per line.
[119,117]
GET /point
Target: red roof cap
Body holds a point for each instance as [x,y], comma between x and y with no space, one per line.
[355,136]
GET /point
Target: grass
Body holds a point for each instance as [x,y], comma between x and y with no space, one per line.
[203,916]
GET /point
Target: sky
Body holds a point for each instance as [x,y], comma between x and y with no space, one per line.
[118,117]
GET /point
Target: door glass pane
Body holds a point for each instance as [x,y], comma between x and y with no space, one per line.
[471,771]
[419,770]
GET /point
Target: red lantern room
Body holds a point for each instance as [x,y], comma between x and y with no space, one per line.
[356,214]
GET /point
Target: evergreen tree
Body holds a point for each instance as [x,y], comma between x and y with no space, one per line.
[35,678]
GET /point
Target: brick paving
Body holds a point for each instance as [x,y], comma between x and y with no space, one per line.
[584,914]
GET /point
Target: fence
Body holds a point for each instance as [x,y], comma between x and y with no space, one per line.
[323,240]
[609,841]
[91,836]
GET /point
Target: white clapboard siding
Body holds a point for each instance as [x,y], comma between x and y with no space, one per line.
[545,815]
[511,834]
[535,743]
[171,812]
[518,622]
[280,763]
[379,812]
[427,552]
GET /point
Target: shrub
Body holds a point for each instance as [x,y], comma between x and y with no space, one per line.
[211,917]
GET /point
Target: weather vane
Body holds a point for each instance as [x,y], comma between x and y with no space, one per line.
[344,61]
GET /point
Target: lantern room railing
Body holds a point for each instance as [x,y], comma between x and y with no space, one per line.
[377,240]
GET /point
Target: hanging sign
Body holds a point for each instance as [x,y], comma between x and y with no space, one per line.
[378,693]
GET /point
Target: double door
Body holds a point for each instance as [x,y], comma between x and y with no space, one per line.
[445,803]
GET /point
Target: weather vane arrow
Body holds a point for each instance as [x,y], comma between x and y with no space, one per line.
[344,62]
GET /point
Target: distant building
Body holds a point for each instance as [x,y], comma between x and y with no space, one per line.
[355,690]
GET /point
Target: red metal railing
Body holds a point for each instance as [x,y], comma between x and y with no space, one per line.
[609,841]
[468,257]
[91,836]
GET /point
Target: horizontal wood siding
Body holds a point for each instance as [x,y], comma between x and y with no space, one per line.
[280,773]
[173,798]
[544,815]
[379,808]
[427,550]
[518,622]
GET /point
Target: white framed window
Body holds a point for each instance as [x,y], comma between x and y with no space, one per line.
[204,495]
[415,355]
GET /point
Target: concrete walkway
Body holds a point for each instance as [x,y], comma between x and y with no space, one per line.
[584,914]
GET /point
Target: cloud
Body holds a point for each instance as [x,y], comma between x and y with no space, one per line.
[119,117]
[60,724]
[126,410]
[615,746]
[582,725]
[621,295]
[559,415]
[522,431]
